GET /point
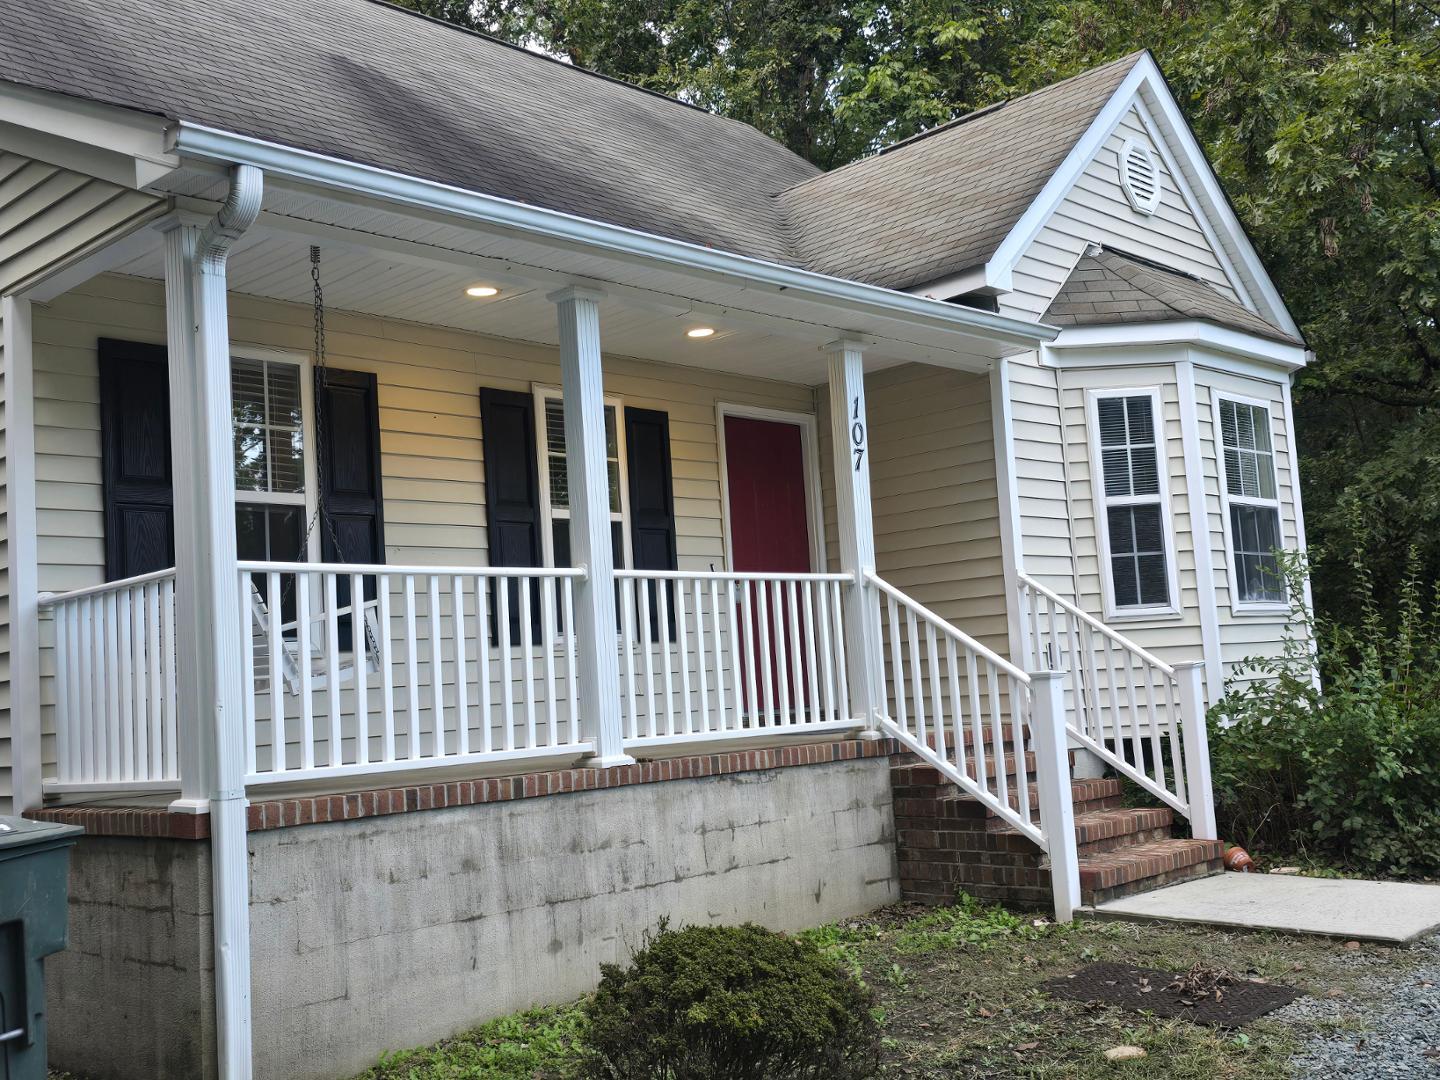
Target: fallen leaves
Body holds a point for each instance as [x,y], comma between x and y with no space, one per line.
[1124,1053]
[1203,983]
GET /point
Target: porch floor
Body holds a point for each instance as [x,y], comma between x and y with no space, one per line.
[1394,912]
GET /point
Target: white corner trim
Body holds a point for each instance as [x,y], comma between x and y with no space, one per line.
[1293,456]
[22,517]
[1206,597]
[1099,503]
[1007,492]
[1222,340]
[810,452]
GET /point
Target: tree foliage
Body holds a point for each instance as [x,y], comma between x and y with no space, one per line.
[1322,119]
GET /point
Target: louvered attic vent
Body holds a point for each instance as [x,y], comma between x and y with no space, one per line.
[1140,176]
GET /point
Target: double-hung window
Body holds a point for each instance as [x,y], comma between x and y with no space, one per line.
[1253,504]
[1131,501]
[271,488]
[555,479]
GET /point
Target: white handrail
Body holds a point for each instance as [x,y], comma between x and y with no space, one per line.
[367,569]
[50,599]
[1095,624]
[954,631]
[728,575]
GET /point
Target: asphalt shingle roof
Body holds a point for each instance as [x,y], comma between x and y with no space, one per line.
[944,201]
[374,84]
[1111,287]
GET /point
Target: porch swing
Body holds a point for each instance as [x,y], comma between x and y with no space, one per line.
[317,660]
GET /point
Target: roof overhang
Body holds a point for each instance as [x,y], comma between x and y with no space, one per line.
[853,306]
[122,146]
[1145,90]
[1092,345]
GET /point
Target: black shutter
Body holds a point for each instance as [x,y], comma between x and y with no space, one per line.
[139,492]
[652,502]
[512,495]
[347,408]
[652,497]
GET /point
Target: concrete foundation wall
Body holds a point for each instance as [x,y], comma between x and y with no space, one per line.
[394,931]
[133,994]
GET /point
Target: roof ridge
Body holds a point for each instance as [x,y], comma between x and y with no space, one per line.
[974,114]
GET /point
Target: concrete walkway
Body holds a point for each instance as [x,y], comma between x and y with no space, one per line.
[1388,911]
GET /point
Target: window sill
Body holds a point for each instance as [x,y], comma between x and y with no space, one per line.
[1253,611]
[1142,615]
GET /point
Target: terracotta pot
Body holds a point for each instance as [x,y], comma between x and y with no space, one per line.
[1238,859]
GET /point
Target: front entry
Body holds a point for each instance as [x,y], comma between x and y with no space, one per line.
[769,509]
[769,516]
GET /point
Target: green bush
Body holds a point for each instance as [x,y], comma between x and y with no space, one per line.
[730,1003]
[1348,771]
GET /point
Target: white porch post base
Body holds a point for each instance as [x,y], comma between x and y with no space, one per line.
[1195,741]
[1052,779]
[598,658]
[209,614]
[850,444]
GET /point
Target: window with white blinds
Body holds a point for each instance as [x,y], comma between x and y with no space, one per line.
[555,478]
[1252,502]
[271,497]
[1132,507]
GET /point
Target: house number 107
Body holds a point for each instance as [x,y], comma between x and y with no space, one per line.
[857,434]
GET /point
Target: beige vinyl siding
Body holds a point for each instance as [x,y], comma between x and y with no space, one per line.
[1247,634]
[1171,638]
[932,481]
[432,446]
[1097,212]
[1045,542]
[47,215]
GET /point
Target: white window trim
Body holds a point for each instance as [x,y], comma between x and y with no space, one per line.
[541,392]
[1100,503]
[1238,606]
[811,466]
[310,537]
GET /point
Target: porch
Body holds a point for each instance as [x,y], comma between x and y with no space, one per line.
[444,610]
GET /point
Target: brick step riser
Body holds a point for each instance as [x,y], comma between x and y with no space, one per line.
[922,837]
[1209,868]
[923,775]
[1115,843]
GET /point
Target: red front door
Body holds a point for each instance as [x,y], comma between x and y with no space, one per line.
[769,532]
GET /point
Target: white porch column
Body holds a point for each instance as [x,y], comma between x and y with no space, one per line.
[209,609]
[596,644]
[26,733]
[850,442]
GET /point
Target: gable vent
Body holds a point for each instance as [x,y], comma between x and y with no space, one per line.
[1140,176]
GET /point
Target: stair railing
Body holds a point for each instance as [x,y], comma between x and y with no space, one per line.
[1141,716]
[967,711]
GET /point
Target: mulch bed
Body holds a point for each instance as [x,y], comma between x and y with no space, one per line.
[1148,990]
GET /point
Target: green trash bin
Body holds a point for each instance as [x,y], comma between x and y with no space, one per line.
[34,892]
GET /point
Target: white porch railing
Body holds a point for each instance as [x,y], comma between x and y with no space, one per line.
[1141,716]
[435,666]
[114,684]
[720,655]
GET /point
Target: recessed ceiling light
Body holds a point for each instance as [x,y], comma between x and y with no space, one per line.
[700,331]
[481,290]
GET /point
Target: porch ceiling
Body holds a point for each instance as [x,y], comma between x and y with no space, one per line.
[403,263]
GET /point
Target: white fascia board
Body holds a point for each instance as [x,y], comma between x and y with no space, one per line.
[999,271]
[122,146]
[209,144]
[1203,180]
[1220,340]
[954,285]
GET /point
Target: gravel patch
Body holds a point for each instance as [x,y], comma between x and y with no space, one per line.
[1393,1032]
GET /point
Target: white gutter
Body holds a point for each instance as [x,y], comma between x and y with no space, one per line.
[209,144]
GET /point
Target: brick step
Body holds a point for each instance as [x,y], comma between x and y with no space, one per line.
[962,811]
[1138,868]
[1099,831]
[916,773]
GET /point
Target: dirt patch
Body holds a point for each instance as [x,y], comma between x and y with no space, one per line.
[1222,1001]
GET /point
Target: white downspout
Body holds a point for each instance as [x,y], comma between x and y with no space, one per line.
[208,601]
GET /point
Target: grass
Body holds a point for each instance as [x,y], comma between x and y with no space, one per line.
[956,994]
